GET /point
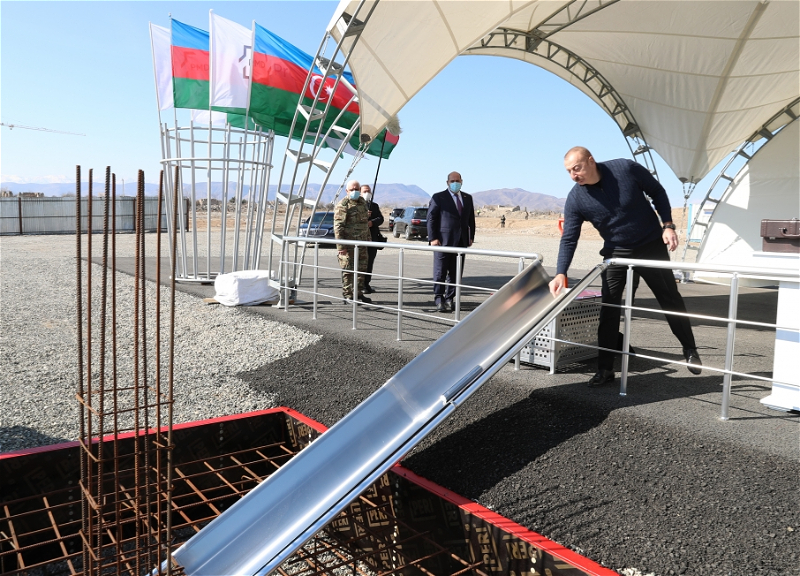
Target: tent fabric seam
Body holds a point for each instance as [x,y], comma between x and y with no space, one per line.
[447,26]
[702,142]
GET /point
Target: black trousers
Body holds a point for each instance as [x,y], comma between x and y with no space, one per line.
[371,253]
[661,283]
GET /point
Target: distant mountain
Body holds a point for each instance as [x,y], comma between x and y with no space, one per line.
[519,197]
[386,194]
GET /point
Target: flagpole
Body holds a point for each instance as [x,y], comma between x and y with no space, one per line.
[380,158]
[161,128]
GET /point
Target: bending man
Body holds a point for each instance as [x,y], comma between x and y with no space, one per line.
[611,195]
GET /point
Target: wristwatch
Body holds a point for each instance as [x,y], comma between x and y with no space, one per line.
[671,226]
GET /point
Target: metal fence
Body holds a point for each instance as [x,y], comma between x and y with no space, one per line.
[787,326]
[57,215]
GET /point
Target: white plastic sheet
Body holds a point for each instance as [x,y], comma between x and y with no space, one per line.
[244,288]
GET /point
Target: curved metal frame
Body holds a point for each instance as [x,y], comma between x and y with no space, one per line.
[311,131]
[759,138]
[533,43]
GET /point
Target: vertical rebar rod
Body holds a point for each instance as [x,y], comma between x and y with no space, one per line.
[100,499]
[145,388]
[170,389]
[159,460]
[79,337]
[626,334]
[114,381]
[88,396]
[733,305]
[136,437]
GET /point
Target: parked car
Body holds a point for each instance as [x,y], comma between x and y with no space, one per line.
[412,223]
[321,226]
[395,213]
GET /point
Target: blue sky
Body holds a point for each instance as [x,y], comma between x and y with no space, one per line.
[86,67]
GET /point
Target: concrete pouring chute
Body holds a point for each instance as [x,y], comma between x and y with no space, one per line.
[263,529]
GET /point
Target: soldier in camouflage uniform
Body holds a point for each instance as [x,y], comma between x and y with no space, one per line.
[350,220]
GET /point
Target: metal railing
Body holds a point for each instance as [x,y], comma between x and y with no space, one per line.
[289,287]
[730,321]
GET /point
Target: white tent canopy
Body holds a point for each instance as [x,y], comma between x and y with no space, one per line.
[698,77]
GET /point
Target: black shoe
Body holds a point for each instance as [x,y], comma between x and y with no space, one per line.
[693,359]
[450,305]
[601,378]
[347,300]
[364,299]
[440,306]
[368,290]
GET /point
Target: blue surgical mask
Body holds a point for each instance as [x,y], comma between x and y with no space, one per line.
[354,194]
[455,187]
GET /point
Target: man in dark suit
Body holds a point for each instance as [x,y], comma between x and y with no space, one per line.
[375,220]
[451,222]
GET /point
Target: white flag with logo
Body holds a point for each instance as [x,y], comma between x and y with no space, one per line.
[161,45]
[231,52]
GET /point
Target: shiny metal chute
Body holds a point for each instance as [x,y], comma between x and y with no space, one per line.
[267,526]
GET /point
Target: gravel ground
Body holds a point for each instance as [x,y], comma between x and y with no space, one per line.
[585,469]
[38,347]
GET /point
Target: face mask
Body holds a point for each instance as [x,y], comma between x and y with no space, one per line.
[354,194]
[368,197]
[455,187]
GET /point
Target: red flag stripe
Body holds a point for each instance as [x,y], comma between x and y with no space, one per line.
[285,75]
[189,63]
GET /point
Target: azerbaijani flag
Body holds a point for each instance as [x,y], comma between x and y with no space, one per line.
[190,67]
[190,76]
[279,73]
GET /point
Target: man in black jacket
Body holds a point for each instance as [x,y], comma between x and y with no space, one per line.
[611,195]
[451,222]
[375,220]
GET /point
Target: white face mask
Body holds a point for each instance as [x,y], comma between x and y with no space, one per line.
[368,196]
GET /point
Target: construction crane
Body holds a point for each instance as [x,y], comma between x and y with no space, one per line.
[12,126]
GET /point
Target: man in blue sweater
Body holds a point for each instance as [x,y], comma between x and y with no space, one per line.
[611,195]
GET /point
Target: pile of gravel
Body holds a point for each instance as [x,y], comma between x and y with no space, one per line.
[38,353]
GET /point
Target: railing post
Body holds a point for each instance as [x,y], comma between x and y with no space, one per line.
[285,279]
[459,271]
[355,287]
[316,279]
[733,303]
[19,208]
[626,334]
[400,295]
[518,357]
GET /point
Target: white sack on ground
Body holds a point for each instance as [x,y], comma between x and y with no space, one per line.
[244,288]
